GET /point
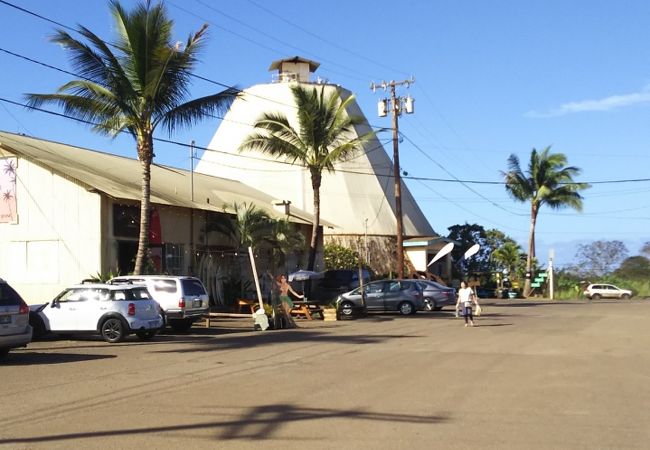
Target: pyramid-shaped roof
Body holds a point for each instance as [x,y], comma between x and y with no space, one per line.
[358,196]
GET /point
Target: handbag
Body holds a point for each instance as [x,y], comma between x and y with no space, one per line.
[479,310]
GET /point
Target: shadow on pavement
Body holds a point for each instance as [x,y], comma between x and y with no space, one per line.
[260,423]
[30,358]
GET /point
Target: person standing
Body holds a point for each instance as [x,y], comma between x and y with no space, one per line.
[284,288]
[466,297]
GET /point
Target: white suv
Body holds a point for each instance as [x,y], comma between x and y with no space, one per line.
[597,291]
[183,299]
[112,311]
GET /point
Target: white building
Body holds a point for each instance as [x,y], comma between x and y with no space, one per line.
[359,197]
[67,214]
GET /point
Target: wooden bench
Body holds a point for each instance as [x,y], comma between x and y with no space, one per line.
[307,310]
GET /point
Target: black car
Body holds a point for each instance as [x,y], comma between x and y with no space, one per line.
[336,282]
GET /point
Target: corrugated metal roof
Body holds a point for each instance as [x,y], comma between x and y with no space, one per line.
[119,177]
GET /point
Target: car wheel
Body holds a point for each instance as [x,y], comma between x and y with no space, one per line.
[346,309]
[406,308]
[146,335]
[4,352]
[595,297]
[180,325]
[625,296]
[437,308]
[429,304]
[113,330]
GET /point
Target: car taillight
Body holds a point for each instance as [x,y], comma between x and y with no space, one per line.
[181,303]
[131,311]
[24,308]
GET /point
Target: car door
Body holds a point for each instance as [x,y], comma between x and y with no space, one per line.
[392,295]
[375,296]
[92,304]
[60,314]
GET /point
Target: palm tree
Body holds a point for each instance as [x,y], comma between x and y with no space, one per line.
[548,181]
[323,137]
[134,85]
[248,227]
[507,257]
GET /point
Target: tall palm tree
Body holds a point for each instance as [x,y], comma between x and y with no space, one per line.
[139,82]
[323,137]
[547,181]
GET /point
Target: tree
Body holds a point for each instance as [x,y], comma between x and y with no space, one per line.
[247,227]
[600,257]
[508,257]
[635,267]
[324,136]
[339,257]
[135,85]
[467,235]
[547,181]
[645,249]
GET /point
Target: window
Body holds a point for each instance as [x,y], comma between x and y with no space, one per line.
[168,286]
[8,297]
[174,259]
[193,287]
[126,221]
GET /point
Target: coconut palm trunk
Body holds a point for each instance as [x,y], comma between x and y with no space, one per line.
[145,155]
[316,180]
[534,209]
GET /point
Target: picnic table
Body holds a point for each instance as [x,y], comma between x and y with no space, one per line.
[307,309]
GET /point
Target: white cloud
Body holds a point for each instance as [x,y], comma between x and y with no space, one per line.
[603,104]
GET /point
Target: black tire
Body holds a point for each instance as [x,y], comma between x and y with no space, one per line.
[437,308]
[181,325]
[595,297]
[429,304]
[406,308]
[146,335]
[346,309]
[113,330]
[4,352]
[625,296]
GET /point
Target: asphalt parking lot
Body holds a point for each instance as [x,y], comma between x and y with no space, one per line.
[533,374]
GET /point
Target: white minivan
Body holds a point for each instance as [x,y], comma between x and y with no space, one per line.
[183,299]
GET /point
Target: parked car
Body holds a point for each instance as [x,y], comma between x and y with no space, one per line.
[436,295]
[15,330]
[404,296]
[337,281]
[597,291]
[183,299]
[114,311]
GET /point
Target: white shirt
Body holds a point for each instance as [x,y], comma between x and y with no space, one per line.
[465,296]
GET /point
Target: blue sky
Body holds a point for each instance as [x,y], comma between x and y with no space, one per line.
[492,78]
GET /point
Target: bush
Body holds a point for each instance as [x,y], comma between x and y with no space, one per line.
[339,257]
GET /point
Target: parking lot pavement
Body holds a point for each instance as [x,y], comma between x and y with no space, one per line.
[533,374]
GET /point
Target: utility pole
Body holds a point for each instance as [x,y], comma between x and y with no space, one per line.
[192,245]
[397,104]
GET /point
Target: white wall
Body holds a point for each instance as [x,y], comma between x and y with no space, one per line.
[56,241]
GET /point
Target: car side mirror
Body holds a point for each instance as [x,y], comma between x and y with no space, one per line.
[55,304]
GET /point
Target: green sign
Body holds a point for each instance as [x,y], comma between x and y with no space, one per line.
[535,284]
[542,275]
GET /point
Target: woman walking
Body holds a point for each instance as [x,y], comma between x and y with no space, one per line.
[284,288]
[466,297]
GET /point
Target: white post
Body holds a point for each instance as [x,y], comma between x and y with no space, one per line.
[257,281]
[551,255]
